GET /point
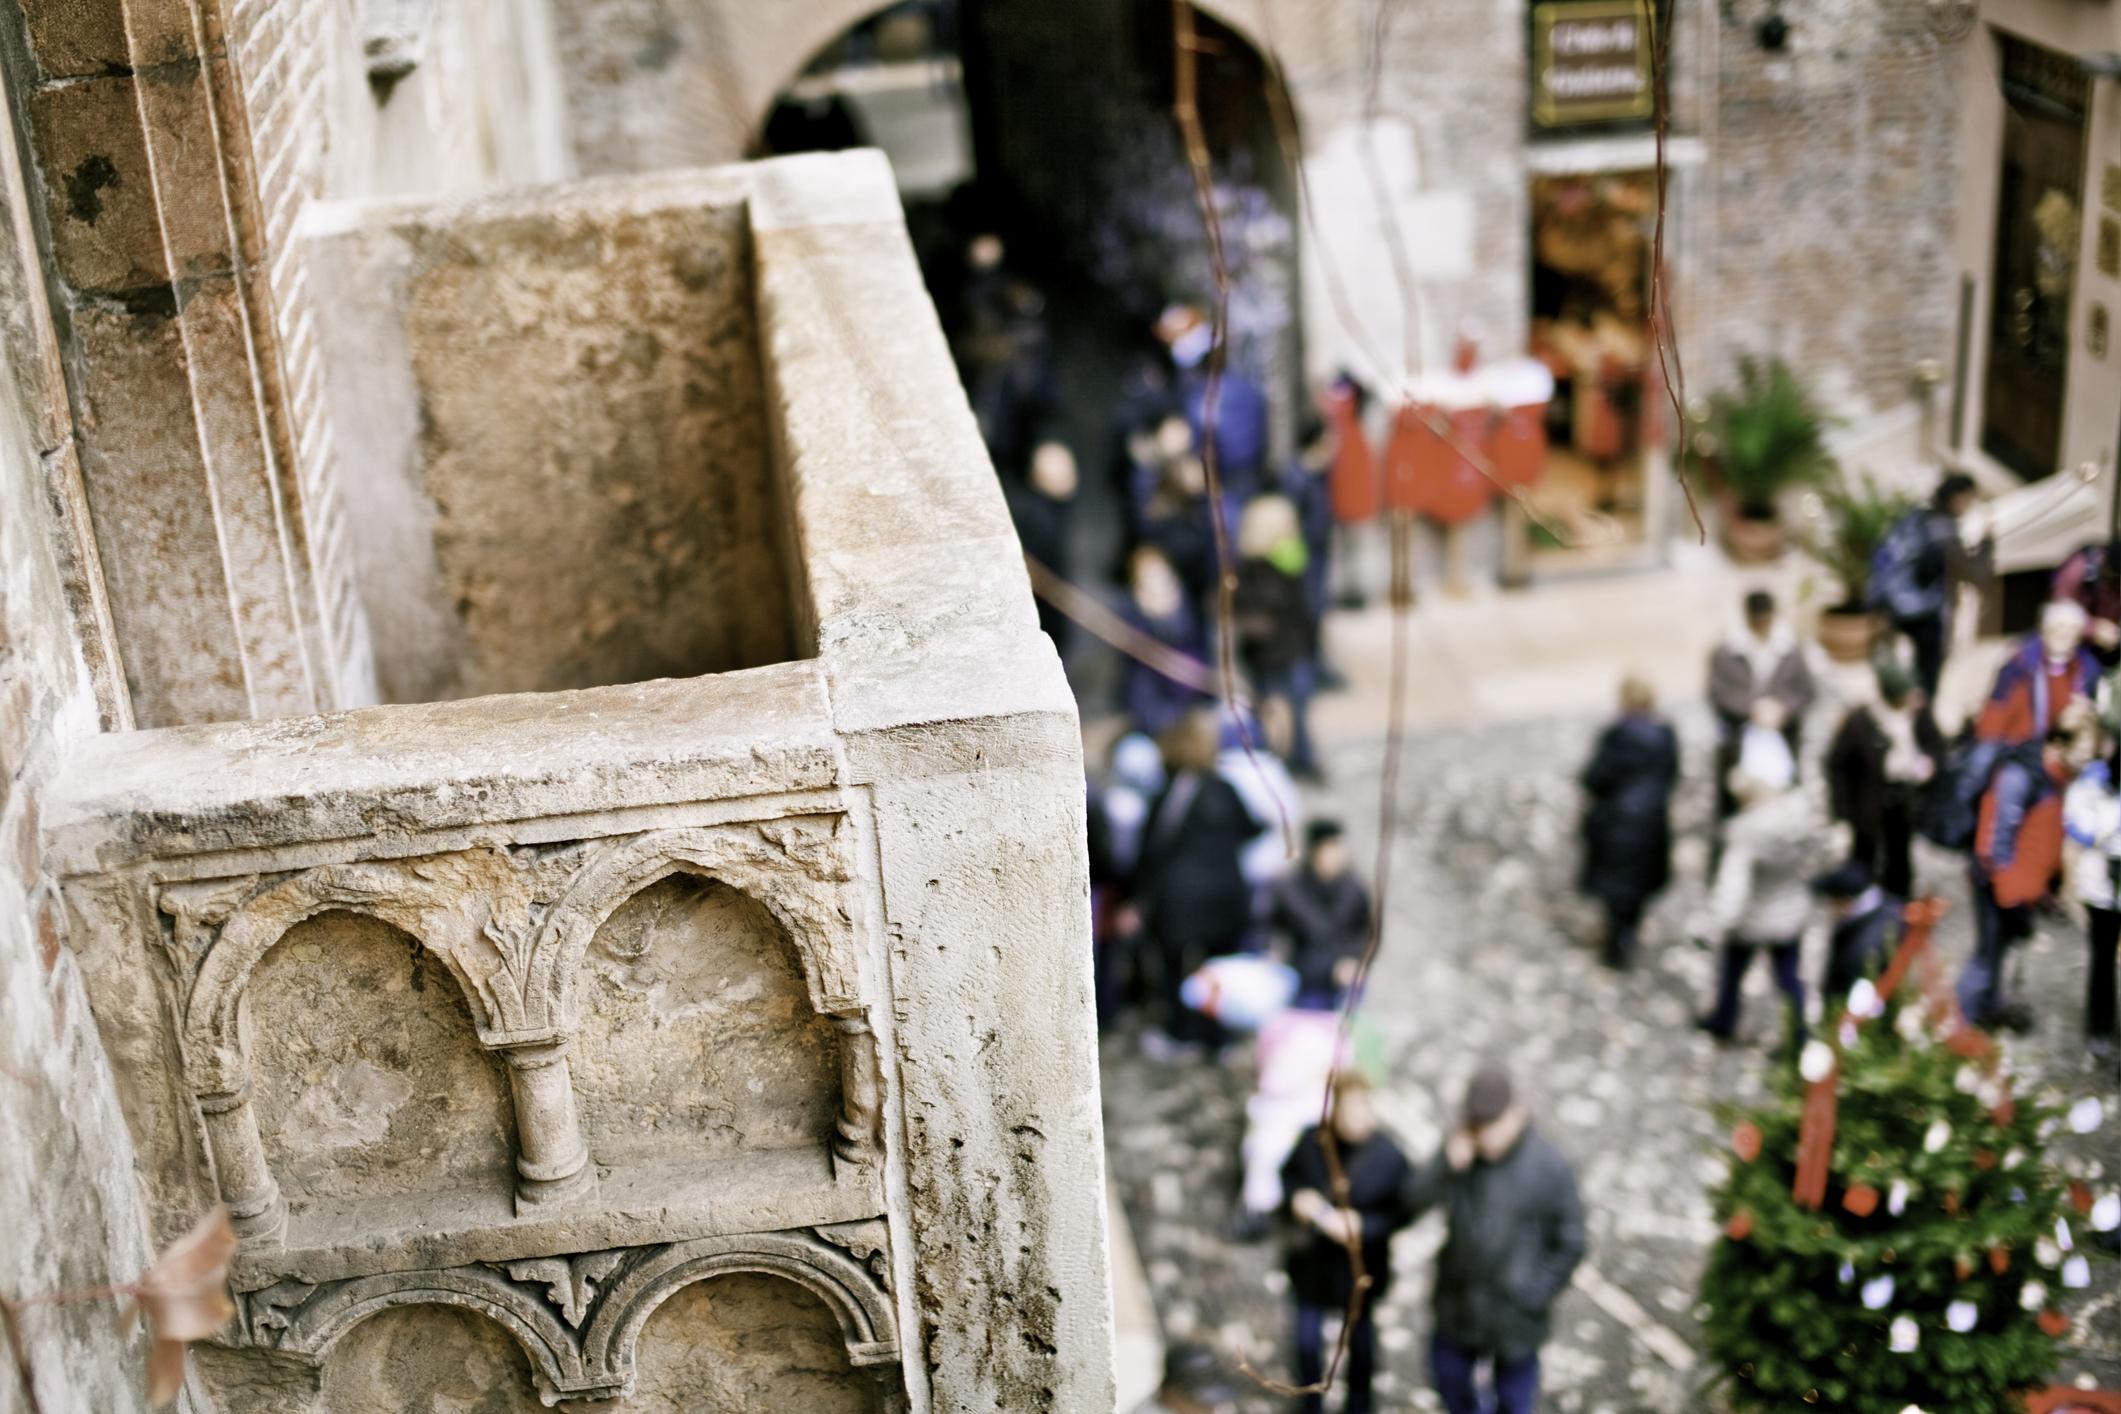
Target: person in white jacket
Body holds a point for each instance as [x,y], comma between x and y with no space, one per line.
[2091,820]
[1762,894]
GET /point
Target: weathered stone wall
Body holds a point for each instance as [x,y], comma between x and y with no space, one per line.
[558,407]
[480,108]
[72,1217]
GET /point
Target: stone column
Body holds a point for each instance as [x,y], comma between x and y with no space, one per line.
[255,1206]
[552,1162]
[861,1095]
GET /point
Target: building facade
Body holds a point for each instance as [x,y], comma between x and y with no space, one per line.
[2034,383]
[1812,156]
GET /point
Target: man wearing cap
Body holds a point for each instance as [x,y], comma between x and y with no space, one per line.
[1865,919]
[1516,1234]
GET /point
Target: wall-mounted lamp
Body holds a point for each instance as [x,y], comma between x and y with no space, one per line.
[1770,31]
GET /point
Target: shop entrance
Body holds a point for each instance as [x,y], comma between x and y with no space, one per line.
[1591,241]
[2039,206]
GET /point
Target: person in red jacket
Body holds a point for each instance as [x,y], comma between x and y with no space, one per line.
[2047,672]
[2017,851]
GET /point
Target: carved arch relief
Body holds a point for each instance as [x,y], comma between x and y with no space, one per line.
[790,867]
[472,909]
[478,910]
[579,1318]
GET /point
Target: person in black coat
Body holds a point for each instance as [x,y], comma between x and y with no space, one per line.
[1516,1235]
[1272,616]
[1043,506]
[1324,912]
[1627,831]
[1881,757]
[1321,1277]
[1189,887]
[1866,927]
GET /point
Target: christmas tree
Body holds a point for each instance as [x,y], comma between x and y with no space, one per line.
[1893,1234]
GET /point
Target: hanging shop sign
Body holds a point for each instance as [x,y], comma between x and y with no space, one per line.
[1591,62]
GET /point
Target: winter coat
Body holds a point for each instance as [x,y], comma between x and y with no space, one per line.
[1743,670]
[1306,490]
[1326,922]
[1379,1183]
[2018,842]
[1860,943]
[2091,817]
[2030,693]
[1857,779]
[1154,703]
[1189,885]
[1516,1235]
[1240,427]
[1627,831]
[1763,887]
[1273,620]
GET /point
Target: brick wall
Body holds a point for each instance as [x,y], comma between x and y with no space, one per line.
[1834,172]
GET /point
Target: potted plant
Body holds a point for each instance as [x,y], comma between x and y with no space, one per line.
[1854,516]
[1770,437]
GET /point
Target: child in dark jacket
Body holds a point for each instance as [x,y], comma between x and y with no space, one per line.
[1323,911]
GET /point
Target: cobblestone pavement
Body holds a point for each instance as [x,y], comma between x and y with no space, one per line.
[1488,950]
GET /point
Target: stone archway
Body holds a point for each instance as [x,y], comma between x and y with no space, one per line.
[668,83]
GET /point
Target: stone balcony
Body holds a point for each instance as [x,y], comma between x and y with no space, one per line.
[548,1005]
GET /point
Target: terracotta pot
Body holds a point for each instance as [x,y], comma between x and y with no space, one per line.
[1753,540]
[1845,635]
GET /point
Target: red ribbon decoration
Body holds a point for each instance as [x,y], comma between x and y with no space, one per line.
[1815,1133]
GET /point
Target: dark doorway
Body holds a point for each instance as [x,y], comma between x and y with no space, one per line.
[2039,212]
[1072,225]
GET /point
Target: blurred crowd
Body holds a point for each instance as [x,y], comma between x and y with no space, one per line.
[2024,791]
[1222,913]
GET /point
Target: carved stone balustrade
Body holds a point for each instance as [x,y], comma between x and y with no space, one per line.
[546,1006]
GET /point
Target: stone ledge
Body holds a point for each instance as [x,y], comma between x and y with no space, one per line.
[634,1204]
[403,769]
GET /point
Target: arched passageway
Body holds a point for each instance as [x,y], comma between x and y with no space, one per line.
[1046,125]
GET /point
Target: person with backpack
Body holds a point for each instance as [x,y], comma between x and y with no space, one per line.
[2017,849]
[1918,568]
[2049,670]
